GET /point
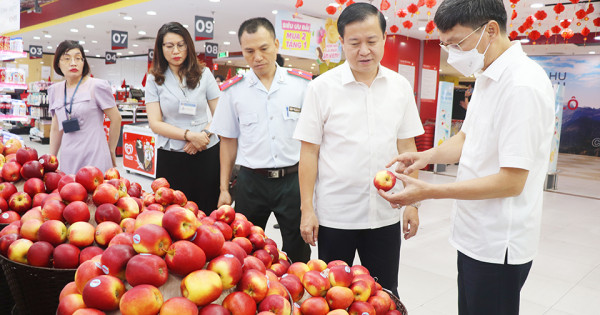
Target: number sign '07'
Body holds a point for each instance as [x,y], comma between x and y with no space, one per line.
[118,39]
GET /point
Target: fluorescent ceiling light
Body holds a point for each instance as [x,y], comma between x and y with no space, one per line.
[49,47]
[119,54]
[36,37]
[151,12]
[186,26]
[94,42]
[524,40]
[592,52]
[74,30]
[215,0]
[274,11]
[127,18]
[422,28]
[536,5]
[86,50]
[226,43]
[48,36]
[97,56]
[131,52]
[81,42]
[90,26]
[135,45]
[231,32]
[142,32]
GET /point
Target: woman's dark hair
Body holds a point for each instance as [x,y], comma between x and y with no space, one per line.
[251,26]
[358,12]
[62,49]
[470,13]
[190,69]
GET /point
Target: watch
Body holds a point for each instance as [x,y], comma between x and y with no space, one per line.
[206,132]
[416,205]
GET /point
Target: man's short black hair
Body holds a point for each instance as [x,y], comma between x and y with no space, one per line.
[358,12]
[251,26]
[470,13]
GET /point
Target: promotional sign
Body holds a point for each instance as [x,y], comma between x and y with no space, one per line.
[298,35]
[110,58]
[150,55]
[443,118]
[118,39]
[558,112]
[204,27]
[35,52]
[211,50]
[10,10]
[139,151]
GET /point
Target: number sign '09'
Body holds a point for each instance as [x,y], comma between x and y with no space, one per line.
[118,39]
[204,27]
[110,58]
[35,52]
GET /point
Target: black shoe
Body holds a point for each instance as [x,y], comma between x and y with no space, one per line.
[276,226]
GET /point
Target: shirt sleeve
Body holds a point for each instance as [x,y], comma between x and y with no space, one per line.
[519,137]
[212,88]
[225,121]
[151,93]
[411,124]
[52,105]
[103,95]
[310,124]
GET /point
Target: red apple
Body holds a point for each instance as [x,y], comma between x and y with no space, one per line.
[65,180]
[244,243]
[276,304]
[384,180]
[105,232]
[251,262]
[156,207]
[293,285]
[19,202]
[361,290]
[7,189]
[184,257]
[210,240]
[53,209]
[380,304]
[264,256]
[149,217]
[180,306]
[3,204]
[122,238]
[358,270]
[128,225]
[128,207]
[159,182]
[81,234]
[152,239]
[148,199]
[164,196]
[73,192]
[88,311]
[112,173]
[228,268]
[26,154]
[146,269]
[53,232]
[361,308]
[257,240]
[12,227]
[202,287]
[89,253]
[76,211]
[103,293]
[66,256]
[69,304]
[50,162]
[315,306]
[37,200]
[315,283]
[180,223]
[339,298]
[6,240]
[316,264]
[40,254]
[254,283]
[142,299]
[17,251]
[241,228]
[32,169]
[225,213]
[179,198]
[214,309]
[90,177]
[225,229]
[11,171]
[86,271]
[105,193]
[29,229]
[51,181]
[9,217]
[230,247]
[240,303]
[134,191]
[107,212]
[336,263]
[190,205]
[34,186]
[299,269]
[368,279]
[276,288]
[70,288]
[340,276]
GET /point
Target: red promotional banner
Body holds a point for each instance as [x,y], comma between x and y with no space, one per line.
[139,153]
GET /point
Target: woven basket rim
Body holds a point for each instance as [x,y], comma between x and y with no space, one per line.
[4,258]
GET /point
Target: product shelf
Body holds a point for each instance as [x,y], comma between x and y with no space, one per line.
[9,54]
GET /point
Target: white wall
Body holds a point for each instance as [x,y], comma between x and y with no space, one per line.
[132,69]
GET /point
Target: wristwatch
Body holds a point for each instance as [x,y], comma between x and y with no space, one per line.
[206,132]
[416,205]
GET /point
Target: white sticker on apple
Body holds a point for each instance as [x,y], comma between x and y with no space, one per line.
[104,269]
[41,161]
[228,255]
[94,283]
[347,269]
[5,215]
[98,265]
[145,254]
[136,238]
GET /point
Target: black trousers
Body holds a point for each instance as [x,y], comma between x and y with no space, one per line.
[256,196]
[378,250]
[490,289]
[197,176]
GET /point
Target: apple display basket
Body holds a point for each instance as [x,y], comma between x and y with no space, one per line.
[35,290]
[399,306]
[7,301]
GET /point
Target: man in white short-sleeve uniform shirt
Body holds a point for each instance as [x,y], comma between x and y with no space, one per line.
[355,118]
[503,150]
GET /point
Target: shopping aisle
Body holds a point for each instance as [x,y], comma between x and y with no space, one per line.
[564,279]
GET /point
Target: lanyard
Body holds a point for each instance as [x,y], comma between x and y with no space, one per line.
[68,111]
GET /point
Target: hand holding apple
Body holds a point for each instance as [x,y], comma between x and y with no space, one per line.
[384,180]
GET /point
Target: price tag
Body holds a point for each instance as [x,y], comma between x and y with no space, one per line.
[35,52]
[211,50]
[118,39]
[150,55]
[204,27]
[110,58]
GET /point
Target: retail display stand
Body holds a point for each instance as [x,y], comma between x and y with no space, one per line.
[139,149]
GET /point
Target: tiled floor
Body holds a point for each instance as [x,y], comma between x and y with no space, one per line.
[565,277]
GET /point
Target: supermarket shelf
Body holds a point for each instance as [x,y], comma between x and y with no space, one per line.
[8,54]
[15,86]
[14,118]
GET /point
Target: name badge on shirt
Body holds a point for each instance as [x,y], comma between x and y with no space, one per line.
[291,112]
[187,108]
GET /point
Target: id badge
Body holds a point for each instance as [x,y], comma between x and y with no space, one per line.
[70,125]
[187,108]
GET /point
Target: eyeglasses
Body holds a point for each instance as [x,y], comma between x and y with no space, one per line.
[456,46]
[67,59]
[170,46]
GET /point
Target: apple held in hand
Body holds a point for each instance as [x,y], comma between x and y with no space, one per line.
[384,180]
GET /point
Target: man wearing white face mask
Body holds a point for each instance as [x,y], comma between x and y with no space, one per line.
[503,150]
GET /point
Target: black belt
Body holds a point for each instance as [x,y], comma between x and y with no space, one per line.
[274,172]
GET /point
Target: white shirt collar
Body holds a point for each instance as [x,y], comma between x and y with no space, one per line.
[495,70]
[279,76]
[348,76]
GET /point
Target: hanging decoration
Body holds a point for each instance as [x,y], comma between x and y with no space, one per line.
[412,9]
[514,2]
[349,2]
[429,27]
[547,34]
[540,16]
[420,3]
[407,24]
[331,10]
[558,9]
[555,29]
[394,29]
[340,2]
[514,15]
[590,9]
[401,13]
[574,1]
[522,29]
[534,35]
[566,34]
[565,23]
[299,3]
[596,22]
[385,5]
[513,35]
[430,4]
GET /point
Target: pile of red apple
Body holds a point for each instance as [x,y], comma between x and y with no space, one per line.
[149,253]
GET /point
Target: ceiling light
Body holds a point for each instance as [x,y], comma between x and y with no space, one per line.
[41,62]
[119,54]
[228,61]
[74,30]
[94,42]
[290,65]
[226,43]
[402,44]
[422,28]
[90,26]
[313,65]
[274,11]
[49,47]
[215,0]
[81,42]
[86,50]
[524,40]
[592,52]
[334,4]
[127,58]
[151,12]
[536,5]
[597,38]
[231,32]
[386,18]
[97,56]
[36,37]
[186,26]
[127,18]
[142,33]
[48,36]
[286,59]
[135,45]
[131,52]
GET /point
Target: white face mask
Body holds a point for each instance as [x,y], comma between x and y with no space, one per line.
[467,62]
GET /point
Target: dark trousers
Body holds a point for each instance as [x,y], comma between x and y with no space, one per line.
[256,196]
[378,249]
[490,289]
[197,176]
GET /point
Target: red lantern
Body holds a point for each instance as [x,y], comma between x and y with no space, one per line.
[528,22]
[340,2]
[429,27]
[555,29]
[565,23]
[521,29]
[331,10]
[513,35]
[430,3]
[420,3]
[394,29]
[580,14]
[548,34]
[585,31]
[596,22]
[566,34]
[401,13]
[349,2]
[574,1]
[514,15]
[384,5]
[514,1]
[299,3]
[534,35]
[407,24]
[540,15]
[558,8]
[412,8]
[590,9]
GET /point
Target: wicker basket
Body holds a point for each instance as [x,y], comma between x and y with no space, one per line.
[399,306]
[35,290]
[7,301]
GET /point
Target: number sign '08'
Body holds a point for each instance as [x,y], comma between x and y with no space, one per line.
[204,27]
[118,39]
[110,58]
[211,49]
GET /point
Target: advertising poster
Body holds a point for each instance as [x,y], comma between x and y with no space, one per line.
[139,152]
[558,113]
[579,76]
